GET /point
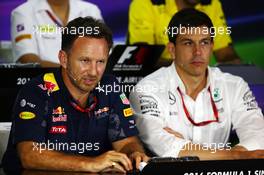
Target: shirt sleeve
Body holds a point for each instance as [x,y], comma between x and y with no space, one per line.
[121,120]
[23,34]
[90,10]
[28,116]
[247,118]
[222,38]
[97,13]
[150,119]
[141,25]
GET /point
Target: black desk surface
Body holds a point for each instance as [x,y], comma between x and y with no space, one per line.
[223,167]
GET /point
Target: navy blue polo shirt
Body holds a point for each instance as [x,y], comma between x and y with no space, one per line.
[46,113]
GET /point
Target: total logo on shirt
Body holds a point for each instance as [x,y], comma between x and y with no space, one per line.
[58,130]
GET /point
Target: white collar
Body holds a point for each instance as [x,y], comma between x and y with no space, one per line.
[42,5]
[175,80]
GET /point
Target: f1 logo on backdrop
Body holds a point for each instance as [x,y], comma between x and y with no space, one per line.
[134,55]
[132,58]
[127,60]
[127,54]
[130,63]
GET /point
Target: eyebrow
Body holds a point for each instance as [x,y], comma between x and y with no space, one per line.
[84,57]
[88,58]
[207,38]
[188,39]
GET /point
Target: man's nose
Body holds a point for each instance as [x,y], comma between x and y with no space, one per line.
[197,49]
[92,68]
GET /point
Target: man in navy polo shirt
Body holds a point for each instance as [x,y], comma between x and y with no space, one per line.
[66,121]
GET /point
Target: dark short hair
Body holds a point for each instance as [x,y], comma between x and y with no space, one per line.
[189,17]
[85,27]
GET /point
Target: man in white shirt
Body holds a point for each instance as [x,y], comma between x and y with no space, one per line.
[188,108]
[37,25]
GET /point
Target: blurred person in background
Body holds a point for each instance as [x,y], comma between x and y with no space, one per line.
[148,21]
[36,32]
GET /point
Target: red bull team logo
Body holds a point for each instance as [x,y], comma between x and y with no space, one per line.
[58,115]
[59,110]
[105,109]
[50,84]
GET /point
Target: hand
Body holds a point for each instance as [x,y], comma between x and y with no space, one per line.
[138,157]
[112,170]
[238,148]
[112,161]
[171,131]
[256,154]
[242,153]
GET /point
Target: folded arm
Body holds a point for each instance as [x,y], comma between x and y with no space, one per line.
[204,153]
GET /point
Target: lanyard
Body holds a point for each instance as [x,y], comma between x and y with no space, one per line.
[53,18]
[204,122]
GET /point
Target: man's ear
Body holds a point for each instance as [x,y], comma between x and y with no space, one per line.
[171,49]
[63,58]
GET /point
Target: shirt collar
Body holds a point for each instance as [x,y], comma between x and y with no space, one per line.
[65,92]
[209,78]
[44,5]
[176,81]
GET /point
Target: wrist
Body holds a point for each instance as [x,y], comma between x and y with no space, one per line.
[88,165]
[238,154]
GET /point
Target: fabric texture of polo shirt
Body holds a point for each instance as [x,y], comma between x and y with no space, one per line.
[35,29]
[46,113]
[149,19]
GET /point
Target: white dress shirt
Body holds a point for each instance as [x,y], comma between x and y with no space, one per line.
[157,104]
[28,17]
